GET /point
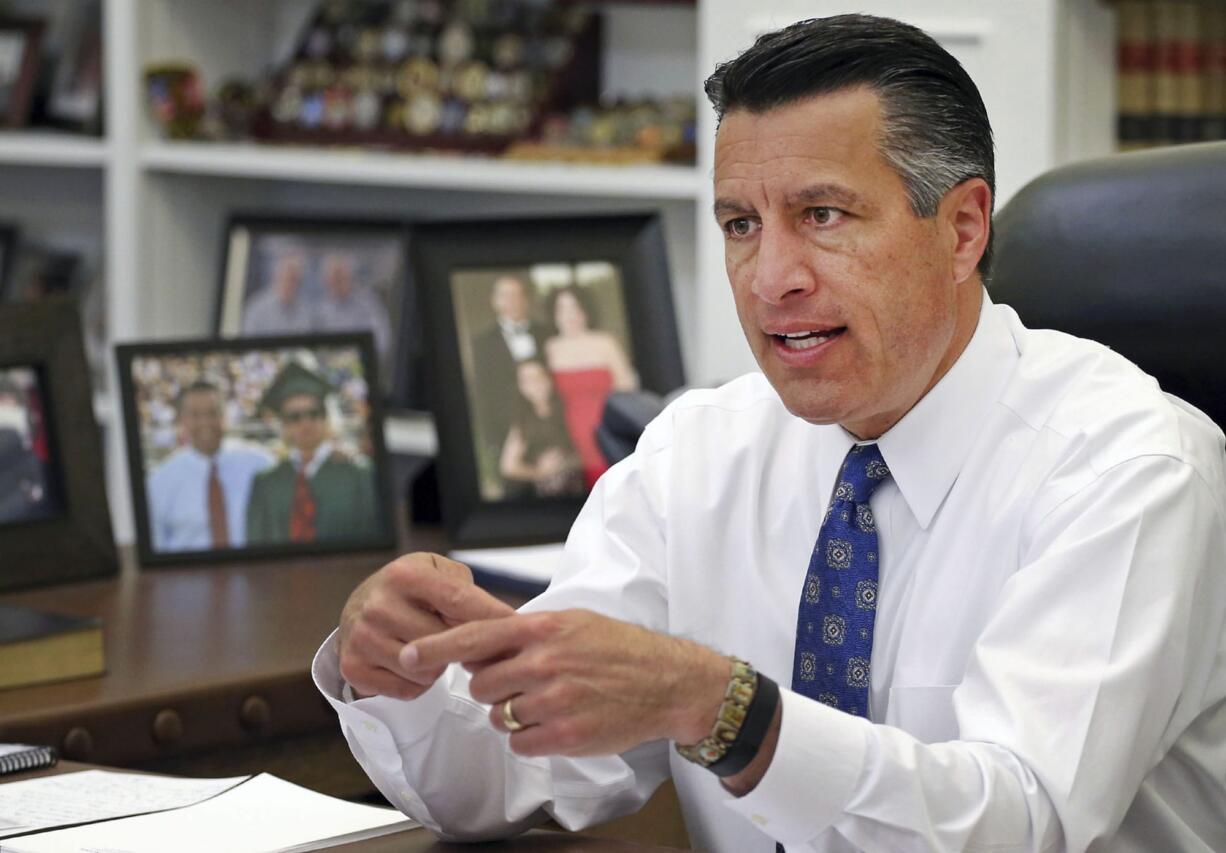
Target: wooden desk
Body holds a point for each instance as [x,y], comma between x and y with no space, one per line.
[420,841]
[208,672]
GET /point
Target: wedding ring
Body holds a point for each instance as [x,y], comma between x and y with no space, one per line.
[508,718]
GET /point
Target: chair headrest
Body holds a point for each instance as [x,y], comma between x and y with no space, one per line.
[1128,250]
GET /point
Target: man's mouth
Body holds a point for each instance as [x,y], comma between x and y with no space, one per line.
[808,339]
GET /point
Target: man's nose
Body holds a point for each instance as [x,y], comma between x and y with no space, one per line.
[785,265]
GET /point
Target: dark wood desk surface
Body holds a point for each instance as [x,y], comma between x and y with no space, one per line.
[208,674]
[198,659]
[420,841]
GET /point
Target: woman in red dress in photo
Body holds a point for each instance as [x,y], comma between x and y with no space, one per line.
[587,365]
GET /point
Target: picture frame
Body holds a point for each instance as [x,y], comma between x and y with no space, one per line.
[215,429]
[9,237]
[260,252]
[43,376]
[75,97]
[513,428]
[19,60]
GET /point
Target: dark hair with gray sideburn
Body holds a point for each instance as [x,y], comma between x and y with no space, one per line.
[935,128]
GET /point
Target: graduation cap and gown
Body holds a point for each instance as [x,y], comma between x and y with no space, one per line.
[337,503]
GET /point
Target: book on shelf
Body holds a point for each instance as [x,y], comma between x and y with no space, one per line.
[1170,72]
[38,647]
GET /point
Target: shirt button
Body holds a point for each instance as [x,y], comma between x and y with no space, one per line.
[405,794]
[369,726]
[760,820]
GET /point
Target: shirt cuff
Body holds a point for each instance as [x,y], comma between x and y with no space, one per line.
[817,763]
[381,723]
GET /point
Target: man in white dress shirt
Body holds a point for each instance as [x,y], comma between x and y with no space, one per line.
[1037,540]
[279,307]
[197,496]
[349,305]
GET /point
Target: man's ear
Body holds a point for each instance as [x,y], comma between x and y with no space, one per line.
[966,217]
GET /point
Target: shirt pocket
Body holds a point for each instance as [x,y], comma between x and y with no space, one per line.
[927,712]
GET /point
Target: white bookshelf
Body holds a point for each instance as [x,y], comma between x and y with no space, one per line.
[19,148]
[155,210]
[446,173]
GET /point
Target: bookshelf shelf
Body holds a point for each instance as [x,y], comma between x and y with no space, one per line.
[421,171]
[18,148]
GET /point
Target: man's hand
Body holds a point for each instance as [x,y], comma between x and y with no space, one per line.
[412,597]
[581,683]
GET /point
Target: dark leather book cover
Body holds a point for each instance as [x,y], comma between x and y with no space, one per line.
[38,647]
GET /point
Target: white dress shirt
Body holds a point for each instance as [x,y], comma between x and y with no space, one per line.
[1048,668]
[177,496]
[519,339]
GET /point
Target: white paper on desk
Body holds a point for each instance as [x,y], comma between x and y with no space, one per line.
[264,815]
[536,563]
[90,795]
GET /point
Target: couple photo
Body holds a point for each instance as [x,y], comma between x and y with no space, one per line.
[542,348]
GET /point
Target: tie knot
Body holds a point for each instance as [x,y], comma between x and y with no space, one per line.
[862,472]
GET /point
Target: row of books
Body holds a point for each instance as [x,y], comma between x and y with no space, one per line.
[1171,72]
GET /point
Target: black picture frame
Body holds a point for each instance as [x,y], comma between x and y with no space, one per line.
[633,245]
[17,90]
[75,97]
[400,362]
[9,243]
[381,536]
[77,543]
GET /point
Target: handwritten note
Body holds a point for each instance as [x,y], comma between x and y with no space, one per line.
[90,795]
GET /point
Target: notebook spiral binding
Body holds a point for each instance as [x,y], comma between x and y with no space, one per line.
[28,759]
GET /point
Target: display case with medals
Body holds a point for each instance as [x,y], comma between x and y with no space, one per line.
[467,75]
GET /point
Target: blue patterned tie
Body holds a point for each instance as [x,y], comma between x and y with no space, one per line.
[834,629]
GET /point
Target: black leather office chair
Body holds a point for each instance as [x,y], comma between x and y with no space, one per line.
[1130,251]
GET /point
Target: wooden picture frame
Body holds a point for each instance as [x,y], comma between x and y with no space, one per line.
[19,60]
[514,427]
[74,541]
[243,405]
[257,250]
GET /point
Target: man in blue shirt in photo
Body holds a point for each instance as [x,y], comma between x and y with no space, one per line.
[197,497]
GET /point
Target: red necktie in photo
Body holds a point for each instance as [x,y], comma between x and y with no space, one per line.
[302,512]
[219,526]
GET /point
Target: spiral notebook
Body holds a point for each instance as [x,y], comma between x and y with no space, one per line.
[18,757]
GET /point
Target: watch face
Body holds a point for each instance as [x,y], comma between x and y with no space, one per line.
[452,119]
[478,120]
[311,114]
[508,51]
[417,75]
[395,46]
[287,108]
[338,106]
[366,48]
[470,81]
[423,113]
[318,42]
[455,45]
[497,86]
[367,108]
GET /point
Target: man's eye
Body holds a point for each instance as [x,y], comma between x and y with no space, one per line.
[825,215]
[738,227]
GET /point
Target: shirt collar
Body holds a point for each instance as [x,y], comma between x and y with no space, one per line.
[200,457]
[511,327]
[321,455]
[925,450]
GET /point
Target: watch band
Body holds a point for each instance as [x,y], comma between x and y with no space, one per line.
[741,724]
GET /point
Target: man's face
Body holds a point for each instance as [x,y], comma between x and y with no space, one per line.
[200,415]
[302,422]
[509,300]
[338,276]
[820,238]
[289,278]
